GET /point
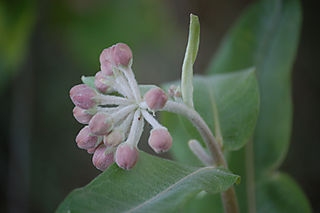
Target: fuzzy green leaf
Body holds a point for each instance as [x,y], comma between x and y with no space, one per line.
[153,185]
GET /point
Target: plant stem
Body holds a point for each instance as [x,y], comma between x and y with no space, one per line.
[201,126]
[199,151]
[228,197]
[250,177]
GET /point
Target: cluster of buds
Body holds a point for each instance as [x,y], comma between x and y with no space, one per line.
[114,112]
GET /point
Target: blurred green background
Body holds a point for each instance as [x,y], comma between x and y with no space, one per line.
[45,47]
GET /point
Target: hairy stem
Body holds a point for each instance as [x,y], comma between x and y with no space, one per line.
[199,151]
[228,197]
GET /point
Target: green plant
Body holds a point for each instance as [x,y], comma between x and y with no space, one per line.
[243,133]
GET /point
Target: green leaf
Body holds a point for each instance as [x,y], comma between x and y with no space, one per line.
[228,103]
[280,193]
[266,37]
[189,59]
[277,193]
[153,185]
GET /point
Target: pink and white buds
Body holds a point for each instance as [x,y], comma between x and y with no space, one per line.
[160,140]
[126,156]
[121,54]
[81,115]
[100,124]
[102,160]
[115,112]
[83,96]
[114,138]
[156,98]
[100,82]
[85,139]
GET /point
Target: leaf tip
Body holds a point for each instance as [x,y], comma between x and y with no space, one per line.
[194,17]
[238,180]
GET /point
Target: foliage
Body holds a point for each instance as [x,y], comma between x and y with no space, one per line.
[265,37]
[154,185]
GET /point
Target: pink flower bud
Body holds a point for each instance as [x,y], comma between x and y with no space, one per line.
[100,82]
[102,160]
[91,151]
[85,140]
[114,138]
[106,68]
[160,140]
[83,96]
[126,156]
[172,89]
[106,55]
[156,98]
[121,54]
[100,124]
[81,115]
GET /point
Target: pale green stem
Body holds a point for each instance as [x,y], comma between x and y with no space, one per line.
[228,197]
[250,177]
[199,151]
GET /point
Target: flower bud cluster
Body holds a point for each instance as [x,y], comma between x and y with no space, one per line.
[114,123]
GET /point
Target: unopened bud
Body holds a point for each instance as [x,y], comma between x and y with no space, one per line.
[126,156]
[114,138]
[100,82]
[83,96]
[121,54]
[174,91]
[106,55]
[81,115]
[100,124]
[106,68]
[91,151]
[156,98]
[160,140]
[86,140]
[102,160]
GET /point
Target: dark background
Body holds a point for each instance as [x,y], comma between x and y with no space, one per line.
[45,47]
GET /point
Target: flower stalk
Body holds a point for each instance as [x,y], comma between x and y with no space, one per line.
[229,199]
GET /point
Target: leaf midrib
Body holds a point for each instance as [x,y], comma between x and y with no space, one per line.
[169,188]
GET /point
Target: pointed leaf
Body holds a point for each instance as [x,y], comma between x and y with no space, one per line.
[154,185]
